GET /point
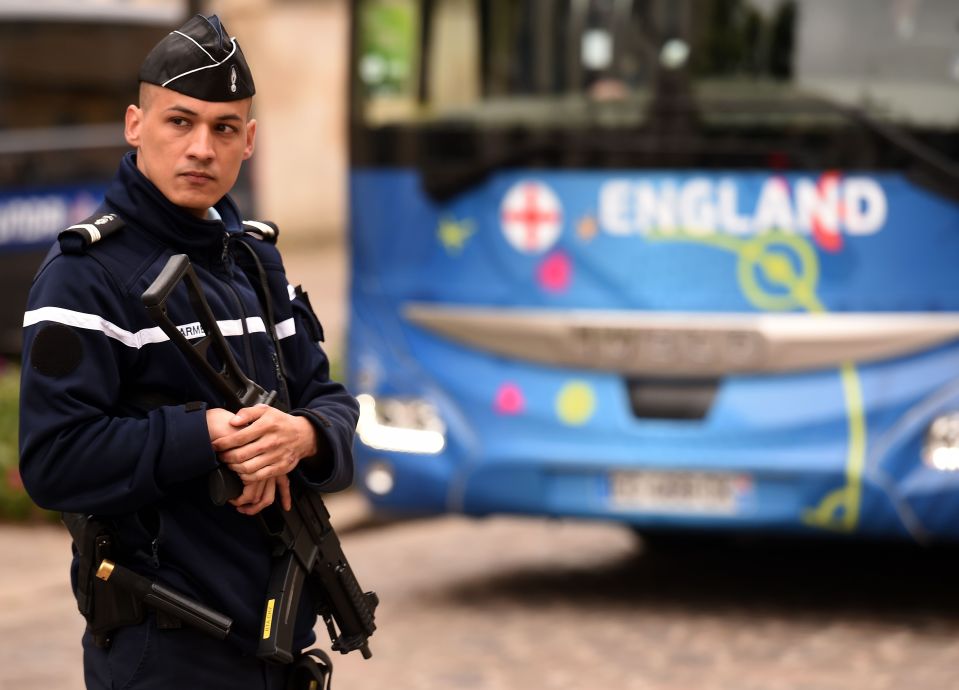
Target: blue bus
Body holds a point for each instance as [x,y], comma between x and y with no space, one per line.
[684,265]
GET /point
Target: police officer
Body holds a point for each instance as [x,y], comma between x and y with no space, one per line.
[114,420]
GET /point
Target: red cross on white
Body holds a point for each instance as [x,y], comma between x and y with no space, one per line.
[532,217]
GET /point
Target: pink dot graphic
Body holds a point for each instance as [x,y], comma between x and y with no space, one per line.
[556,272]
[509,400]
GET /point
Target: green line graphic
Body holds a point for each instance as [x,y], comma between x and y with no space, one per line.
[778,272]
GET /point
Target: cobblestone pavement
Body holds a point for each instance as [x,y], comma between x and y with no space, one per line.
[522,604]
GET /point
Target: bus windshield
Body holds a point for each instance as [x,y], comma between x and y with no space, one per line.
[605,62]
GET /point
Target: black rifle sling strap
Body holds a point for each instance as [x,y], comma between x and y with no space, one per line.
[263,292]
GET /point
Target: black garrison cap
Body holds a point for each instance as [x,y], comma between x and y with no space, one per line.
[200,60]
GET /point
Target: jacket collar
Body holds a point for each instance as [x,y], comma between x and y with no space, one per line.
[143,206]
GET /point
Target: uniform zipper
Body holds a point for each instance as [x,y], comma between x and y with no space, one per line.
[251,370]
[155,552]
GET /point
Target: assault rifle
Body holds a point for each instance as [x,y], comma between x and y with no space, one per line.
[308,552]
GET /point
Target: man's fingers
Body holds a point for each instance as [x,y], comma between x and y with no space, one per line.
[248,415]
[265,466]
[283,484]
[268,495]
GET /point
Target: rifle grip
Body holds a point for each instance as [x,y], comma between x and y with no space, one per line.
[223,485]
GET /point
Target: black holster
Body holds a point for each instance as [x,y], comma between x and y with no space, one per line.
[104,607]
[312,670]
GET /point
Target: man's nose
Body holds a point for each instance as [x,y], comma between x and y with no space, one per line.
[201,144]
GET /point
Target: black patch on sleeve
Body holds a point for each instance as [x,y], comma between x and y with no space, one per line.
[56,351]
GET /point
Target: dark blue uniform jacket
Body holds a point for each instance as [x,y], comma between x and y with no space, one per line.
[91,440]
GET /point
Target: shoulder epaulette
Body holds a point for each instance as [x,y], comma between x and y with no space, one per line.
[77,238]
[262,230]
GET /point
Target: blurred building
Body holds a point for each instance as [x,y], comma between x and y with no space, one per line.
[298,52]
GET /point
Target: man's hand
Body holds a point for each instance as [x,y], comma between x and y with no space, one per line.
[258,495]
[218,422]
[261,442]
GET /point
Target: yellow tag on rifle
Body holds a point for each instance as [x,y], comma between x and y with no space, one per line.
[268,619]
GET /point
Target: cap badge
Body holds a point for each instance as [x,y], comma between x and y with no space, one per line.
[233,78]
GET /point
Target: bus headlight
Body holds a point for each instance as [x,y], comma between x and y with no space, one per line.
[379,478]
[404,425]
[941,447]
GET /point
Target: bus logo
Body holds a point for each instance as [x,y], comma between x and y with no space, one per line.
[531,216]
[826,208]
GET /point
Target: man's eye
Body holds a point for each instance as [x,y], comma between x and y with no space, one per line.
[178,121]
[226,129]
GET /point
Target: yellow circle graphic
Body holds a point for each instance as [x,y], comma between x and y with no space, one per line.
[576,403]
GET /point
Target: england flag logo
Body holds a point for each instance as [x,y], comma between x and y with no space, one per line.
[531,217]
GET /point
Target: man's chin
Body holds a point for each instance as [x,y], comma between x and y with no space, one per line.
[197,204]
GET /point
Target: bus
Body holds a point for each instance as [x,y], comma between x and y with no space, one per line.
[67,74]
[683,265]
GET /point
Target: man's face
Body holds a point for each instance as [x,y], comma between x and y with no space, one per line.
[190,149]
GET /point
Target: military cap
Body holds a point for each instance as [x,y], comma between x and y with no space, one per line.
[200,60]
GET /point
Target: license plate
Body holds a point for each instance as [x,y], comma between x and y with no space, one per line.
[678,492]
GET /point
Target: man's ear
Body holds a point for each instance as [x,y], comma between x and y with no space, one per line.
[132,123]
[250,139]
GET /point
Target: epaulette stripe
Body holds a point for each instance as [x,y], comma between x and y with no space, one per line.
[77,238]
[261,227]
[92,231]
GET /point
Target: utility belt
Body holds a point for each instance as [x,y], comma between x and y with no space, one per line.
[111,596]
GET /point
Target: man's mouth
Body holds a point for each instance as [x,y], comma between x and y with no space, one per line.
[196,176]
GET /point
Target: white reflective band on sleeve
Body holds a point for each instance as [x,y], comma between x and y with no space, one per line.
[285,329]
[93,322]
[147,336]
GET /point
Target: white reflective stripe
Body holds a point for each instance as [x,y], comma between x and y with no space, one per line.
[262,227]
[254,324]
[93,322]
[292,291]
[232,327]
[90,228]
[285,329]
[147,336]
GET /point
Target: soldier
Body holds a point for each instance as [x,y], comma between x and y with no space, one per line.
[114,421]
